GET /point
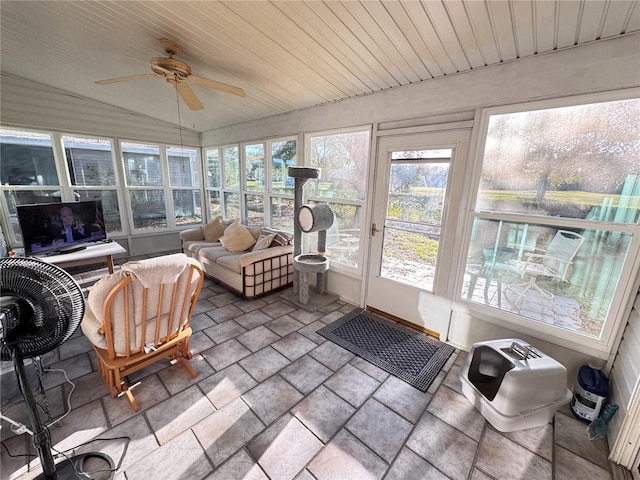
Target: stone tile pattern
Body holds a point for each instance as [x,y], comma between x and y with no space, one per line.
[274,400]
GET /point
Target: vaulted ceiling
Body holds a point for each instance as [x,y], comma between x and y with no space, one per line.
[286,55]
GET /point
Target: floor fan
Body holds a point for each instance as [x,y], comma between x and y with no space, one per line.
[41,306]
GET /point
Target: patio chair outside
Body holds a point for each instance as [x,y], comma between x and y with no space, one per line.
[343,244]
[555,262]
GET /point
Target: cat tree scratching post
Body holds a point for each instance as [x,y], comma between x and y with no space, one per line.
[307,219]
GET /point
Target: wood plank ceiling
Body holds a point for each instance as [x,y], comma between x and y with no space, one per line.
[286,55]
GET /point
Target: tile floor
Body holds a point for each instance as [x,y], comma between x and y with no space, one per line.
[275,400]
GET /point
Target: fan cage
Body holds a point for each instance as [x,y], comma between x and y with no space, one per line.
[54,304]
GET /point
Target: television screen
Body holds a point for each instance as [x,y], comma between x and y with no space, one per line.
[56,227]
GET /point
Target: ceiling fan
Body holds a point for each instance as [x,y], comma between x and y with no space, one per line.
[177,73]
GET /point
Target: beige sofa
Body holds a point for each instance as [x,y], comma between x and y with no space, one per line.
[247,273]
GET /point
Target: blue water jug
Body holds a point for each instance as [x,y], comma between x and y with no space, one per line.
[591,392]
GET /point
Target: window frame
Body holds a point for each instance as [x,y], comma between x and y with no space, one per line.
[618,311]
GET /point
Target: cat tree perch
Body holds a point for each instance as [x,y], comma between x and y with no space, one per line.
[309,218]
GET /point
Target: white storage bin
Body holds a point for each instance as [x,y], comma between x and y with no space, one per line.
[514,385]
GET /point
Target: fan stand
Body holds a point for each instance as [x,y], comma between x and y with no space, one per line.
[70,468]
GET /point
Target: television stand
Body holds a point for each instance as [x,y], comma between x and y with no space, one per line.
[93,253]
[71,249]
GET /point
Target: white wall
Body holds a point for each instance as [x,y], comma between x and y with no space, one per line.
[29,104]
[625,392]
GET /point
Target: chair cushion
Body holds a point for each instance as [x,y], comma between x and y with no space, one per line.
[237,238]
[214,230]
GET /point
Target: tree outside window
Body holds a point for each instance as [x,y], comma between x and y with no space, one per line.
[343,160]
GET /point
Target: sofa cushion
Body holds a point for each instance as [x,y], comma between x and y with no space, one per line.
[213,253]
[237,238]
[195,246]
[230,262]
[214,230]
[263,242]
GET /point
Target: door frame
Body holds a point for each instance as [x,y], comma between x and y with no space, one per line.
[459,137]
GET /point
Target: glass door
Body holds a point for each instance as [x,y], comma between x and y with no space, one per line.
[410,262]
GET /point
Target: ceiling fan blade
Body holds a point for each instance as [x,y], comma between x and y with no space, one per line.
[126,79]
[205,82]
[188,96]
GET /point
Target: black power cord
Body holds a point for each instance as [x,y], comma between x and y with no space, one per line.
[80,474]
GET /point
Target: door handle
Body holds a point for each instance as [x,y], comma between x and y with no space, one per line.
[374,230]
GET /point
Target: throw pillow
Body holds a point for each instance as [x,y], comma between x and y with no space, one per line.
[263,242]
[237,238]
[213,230]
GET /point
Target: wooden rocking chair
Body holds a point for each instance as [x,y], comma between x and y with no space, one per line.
[140,315]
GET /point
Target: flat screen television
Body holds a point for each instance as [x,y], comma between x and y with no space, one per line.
[62,227]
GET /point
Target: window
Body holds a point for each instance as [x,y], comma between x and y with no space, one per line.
[143,169]
[282,210]
[27,158]
[254,181]
[343,159]
[555,225]
[146,180]
[231,166]
[149,187]
[213,182]
[244,181]
[92,175]
[283,154]
[223,182]
[27,171]
[414,215]
[184,179]
[231,182]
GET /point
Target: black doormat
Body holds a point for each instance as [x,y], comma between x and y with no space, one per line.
[404,352]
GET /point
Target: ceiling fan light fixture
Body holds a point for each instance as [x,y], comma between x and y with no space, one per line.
[162,66]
